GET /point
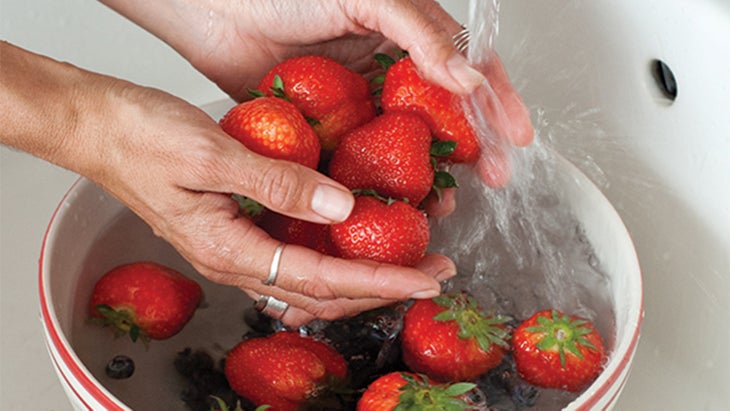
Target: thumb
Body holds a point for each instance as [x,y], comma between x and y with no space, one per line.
[282,186]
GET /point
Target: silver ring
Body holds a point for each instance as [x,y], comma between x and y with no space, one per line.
[274,270]
[461,39]
[271,306]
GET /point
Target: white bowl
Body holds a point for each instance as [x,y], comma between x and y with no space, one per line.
[90,233]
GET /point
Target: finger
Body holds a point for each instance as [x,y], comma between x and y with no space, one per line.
[310,273]
[438,266]
[334,277]
[303,310]
[515,125]
[425,30]
[283,186]
[307,272]
[440,206]
[493,167]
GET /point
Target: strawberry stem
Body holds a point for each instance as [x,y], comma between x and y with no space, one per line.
[562,333]
[123,321]
[419,394]
[369,192]
[473,322]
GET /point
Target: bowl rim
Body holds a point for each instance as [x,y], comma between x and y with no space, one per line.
[594,397]
[67,363]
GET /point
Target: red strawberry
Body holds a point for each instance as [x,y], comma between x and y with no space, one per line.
[405,90]
[335,97]
[284,370]
[408,391]
[555,350]
[392,232]
[273,127]
[145,299]
[450,338]
[390,154]
[292,230]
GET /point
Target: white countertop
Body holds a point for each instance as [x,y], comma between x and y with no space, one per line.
[89,35]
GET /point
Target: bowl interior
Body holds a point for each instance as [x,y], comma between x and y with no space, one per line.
[92,233]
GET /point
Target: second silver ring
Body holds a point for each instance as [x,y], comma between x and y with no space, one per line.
[271,306]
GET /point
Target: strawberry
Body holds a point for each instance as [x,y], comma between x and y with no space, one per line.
[336,98]
[450,338]
[405,90]
[273,127]
[392,232]
[284,370]
[555,350]
[292,230]
[409,391]
[390,154]
[145,299]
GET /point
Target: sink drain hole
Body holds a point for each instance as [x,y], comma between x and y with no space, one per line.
[665,79]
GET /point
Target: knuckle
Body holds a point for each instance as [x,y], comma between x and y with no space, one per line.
[203,158]
[280,186]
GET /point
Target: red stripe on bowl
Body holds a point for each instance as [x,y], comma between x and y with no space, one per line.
[78,372]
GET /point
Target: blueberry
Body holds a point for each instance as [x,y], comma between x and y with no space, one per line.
[120,367]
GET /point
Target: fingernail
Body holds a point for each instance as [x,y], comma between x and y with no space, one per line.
[332,203]
[424,294]
[464,74]
[445,275]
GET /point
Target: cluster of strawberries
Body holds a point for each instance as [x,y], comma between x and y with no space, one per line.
[388,145]
[390,151]
[446,342]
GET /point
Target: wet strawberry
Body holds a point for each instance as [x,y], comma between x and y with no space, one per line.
[408,391]
[450,338]
[391,155]
[405,90]
[145,299]
[555,350]
[391,232]
[285,370]
[273,127]
[334,98]
[292,230]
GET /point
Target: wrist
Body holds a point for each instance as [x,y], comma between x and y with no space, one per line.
[52,109]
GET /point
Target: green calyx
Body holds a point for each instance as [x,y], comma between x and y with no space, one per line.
[473,322]
[248,206]
[219,405]
[122,321]
[562,333]
[419,394]
[385,62]
[277,90]
[369,192]
[441,178]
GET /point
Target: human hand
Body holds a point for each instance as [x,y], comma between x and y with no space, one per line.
[173,166]
[236,43]
[180,182]
[242,47]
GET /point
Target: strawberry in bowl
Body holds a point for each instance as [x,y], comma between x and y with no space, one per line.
[409,391]
[556,350]
[284,370]
[451,338]
[145,299]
